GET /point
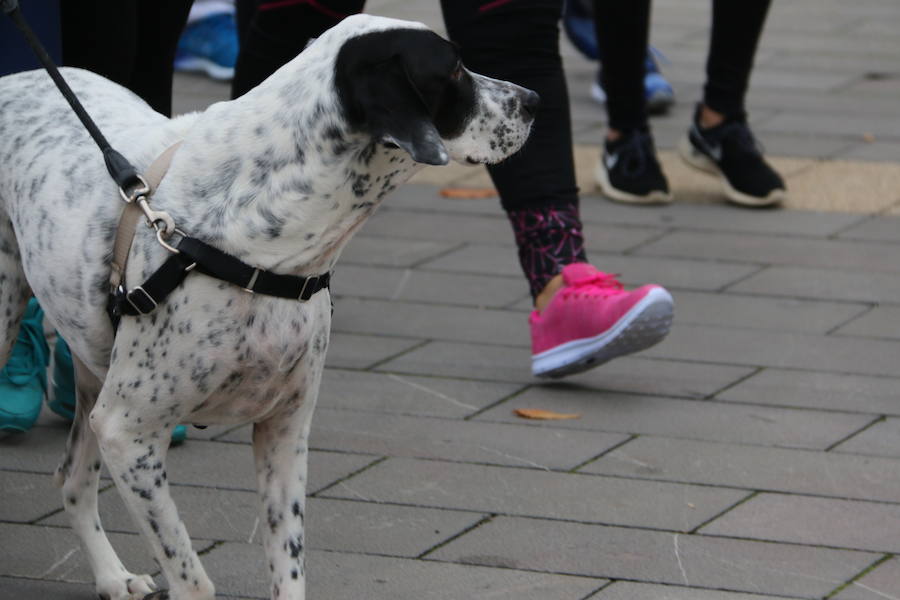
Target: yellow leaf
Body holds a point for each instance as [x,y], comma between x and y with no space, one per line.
[544,415]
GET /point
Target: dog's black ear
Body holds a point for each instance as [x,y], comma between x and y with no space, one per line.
[384,100]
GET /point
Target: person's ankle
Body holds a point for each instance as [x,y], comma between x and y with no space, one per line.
[709,118]
[546,295]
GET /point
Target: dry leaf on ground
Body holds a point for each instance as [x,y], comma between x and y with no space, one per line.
[544,415]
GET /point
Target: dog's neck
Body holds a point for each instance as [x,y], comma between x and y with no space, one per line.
[280,180]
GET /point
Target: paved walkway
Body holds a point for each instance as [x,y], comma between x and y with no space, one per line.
[754,454]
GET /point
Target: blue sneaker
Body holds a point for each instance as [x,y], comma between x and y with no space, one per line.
[62,396]
[658,92]
[209,46]
[23,381]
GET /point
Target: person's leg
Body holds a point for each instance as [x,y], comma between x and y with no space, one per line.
[131,42]
[274,31]
[582,316]
[736,29]
[99,36]
[158,28]
[519,41]
[719,140]
[628,171]
[623,30]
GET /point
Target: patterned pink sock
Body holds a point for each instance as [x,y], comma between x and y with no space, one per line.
[549,238]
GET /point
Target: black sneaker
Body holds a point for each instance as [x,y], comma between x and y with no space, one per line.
[730,151]
[629,172]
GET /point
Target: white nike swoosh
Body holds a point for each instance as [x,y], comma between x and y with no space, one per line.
[610,161]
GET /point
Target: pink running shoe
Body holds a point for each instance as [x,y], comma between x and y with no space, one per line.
[592,320]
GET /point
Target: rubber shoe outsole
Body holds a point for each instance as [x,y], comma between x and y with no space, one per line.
[655,197]
[646,324]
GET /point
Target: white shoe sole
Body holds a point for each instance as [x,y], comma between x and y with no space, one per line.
[700,161]
[647,323]
[195,64]
[602,179]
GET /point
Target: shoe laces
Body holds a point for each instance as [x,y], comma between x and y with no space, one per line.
[607,282]
[29,356]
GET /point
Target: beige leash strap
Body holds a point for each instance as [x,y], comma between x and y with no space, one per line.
[133,213]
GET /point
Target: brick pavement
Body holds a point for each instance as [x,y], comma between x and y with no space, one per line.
[754,454]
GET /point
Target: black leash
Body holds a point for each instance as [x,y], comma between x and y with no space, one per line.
[190,253]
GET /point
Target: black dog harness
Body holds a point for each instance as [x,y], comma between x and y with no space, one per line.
[188,253]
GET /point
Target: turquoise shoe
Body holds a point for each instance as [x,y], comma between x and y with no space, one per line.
[23,381]
[62,400]
[179,434]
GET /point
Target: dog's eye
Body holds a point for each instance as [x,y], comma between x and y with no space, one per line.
[456,75]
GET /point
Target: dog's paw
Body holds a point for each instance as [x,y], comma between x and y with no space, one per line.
[125,587]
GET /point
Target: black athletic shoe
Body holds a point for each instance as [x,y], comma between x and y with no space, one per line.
[629,172]
[730,151]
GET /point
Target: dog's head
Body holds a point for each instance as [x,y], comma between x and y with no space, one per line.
[405,85]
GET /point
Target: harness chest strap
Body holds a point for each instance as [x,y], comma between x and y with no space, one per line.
[190,254]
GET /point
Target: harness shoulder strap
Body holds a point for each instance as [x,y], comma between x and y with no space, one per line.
[132,215]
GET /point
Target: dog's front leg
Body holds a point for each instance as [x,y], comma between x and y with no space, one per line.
[280,450]
[135,454]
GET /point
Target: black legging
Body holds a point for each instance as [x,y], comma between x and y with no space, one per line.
[515,40]
[132,42]
[622,34]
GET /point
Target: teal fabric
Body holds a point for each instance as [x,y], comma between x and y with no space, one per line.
[23,380]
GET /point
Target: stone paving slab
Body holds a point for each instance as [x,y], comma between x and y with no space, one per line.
[701,274]
[689,419]
[336,525]
[386,252]
[538,493]
[45,590]
[656,556]
[813,521]
[510,445]
[830,391]
[628,590]
[881,439]
[633,374]
[881,228]
[880,322]
[407,285]
[878,584]
[779,250]
[352,351]
[54,554]
[26,497]
[789,314]
[239,571]
[408,394]
[467,324]
[800,282]
[779,349]
[717,218]
[230,466]
[753,468]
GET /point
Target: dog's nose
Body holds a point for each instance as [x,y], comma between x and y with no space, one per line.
[530,104]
